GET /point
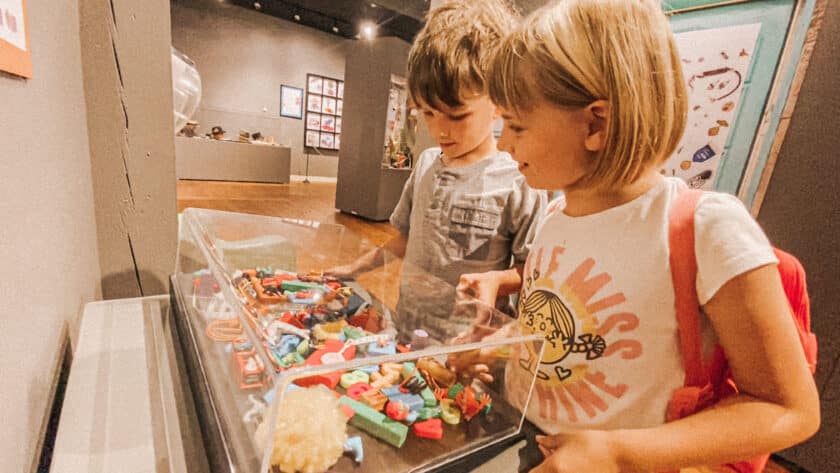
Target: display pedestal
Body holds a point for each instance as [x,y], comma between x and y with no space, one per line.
[213,160]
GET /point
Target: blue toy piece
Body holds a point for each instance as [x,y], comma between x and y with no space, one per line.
[374,349]
[354,445]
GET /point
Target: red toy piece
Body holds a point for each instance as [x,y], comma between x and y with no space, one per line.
[249,369]
[396,410]
[329,380]
[429,429]
[355,391]
[291,319]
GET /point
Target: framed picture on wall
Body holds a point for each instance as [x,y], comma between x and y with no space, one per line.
[323,111]
[313,121]
[328,106]
[328,124]
[330,87]
[313,139]
[315,84]
[15,54]
[291,102]
[313,103]
[327,140]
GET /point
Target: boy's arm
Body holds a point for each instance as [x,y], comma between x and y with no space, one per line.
[776,408]
[372,259]
[486,287]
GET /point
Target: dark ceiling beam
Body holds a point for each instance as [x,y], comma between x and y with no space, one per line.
[414,8]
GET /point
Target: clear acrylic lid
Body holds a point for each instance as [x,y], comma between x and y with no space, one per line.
[290,354]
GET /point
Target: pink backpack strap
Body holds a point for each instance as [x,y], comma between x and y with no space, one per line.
[684,275]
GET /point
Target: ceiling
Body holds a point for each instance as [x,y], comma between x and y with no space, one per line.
[400,18]
[342,17]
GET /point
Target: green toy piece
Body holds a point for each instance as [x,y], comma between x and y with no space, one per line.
[376,423]
[295,286]
[455,389]
[428,413]
[429,399]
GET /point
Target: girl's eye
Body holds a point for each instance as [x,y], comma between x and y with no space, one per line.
[457,118]
[515,128]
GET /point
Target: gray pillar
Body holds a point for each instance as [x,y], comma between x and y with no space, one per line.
[127,82]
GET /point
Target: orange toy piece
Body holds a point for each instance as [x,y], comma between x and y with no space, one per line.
[369,319]
[469,404]
[374,398]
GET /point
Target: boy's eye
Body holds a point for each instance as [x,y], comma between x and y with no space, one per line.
[515,128]
[456,118]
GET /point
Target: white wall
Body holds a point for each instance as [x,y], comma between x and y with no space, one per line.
[243,57]
[48,253]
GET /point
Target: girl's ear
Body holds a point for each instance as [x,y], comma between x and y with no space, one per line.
[597,117]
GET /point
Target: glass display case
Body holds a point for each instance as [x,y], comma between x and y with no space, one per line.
[293,369]
[400,127]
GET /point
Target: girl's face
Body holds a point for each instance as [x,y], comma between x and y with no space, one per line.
[552,145]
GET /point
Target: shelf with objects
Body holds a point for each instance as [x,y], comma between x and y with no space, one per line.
[294,370]
[382,133]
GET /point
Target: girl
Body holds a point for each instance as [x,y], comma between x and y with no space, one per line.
[594,101]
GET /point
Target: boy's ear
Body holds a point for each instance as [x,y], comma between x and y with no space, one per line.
[597,117]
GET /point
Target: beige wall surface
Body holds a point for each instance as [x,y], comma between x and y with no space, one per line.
[48,252]
[244,57]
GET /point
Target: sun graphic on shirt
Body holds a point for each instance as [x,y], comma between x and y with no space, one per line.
[566,314]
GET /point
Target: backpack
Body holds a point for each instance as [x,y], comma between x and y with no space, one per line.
[709,381]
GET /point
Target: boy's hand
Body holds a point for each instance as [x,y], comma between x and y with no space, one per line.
[347,271]
[481,286]
[592,451]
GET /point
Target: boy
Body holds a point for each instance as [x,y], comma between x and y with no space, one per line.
[465,208]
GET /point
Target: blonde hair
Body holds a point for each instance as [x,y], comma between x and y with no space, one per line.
[574,52]
[451,55]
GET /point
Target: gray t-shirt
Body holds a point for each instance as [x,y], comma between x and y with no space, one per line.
[471,219]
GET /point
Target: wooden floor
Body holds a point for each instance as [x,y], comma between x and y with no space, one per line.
[312,201]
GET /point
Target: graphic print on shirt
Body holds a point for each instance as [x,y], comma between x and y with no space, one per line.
[578,316]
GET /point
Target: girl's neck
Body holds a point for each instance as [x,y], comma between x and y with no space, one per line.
[588,201]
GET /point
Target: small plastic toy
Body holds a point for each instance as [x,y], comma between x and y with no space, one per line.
[429,429]
[470,403]
[354,445]
[376,424]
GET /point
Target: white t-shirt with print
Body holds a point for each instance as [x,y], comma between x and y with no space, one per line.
[599,287]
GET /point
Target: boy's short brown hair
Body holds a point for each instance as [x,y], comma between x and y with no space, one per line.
[451,55]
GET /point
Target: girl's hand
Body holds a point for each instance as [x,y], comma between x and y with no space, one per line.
[481,286]
[590,451]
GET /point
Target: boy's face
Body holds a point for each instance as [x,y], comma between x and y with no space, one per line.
[465,131]
[548,143]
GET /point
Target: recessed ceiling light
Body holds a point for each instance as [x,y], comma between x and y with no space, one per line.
[335,29]
[367,30]
[373,5]
[257,5]
[297,17]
